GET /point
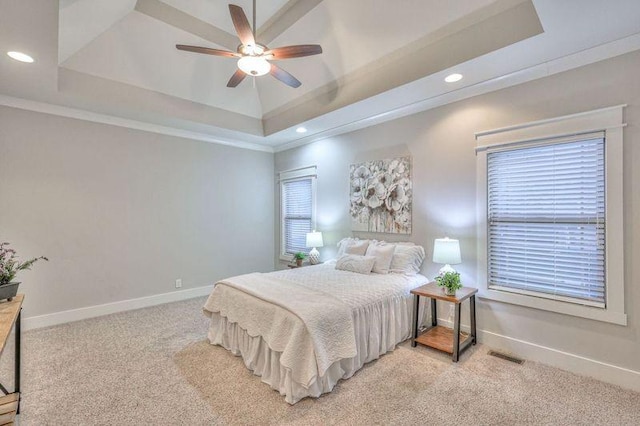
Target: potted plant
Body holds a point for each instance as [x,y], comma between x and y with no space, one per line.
[299,257]
[450,282]
[9,267]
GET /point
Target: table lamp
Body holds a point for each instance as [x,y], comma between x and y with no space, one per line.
[314,239]
[446,251]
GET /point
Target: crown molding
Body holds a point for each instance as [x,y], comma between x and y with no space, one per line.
[586,57]
[79,114]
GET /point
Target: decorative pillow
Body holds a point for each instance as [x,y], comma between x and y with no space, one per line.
[355,263]
[407,259]
[383,254]
[343,243]
[357,247]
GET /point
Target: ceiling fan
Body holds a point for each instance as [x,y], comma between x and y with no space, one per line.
[253,57]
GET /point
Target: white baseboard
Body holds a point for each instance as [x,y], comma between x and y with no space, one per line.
[620,376]
[56,318]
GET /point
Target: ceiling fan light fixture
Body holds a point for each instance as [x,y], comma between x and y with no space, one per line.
[255,57]
[254,65]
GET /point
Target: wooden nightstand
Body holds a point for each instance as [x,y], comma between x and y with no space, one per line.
[436,336]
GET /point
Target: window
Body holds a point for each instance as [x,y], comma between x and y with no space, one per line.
[297,210]
[550,218]
[546,219]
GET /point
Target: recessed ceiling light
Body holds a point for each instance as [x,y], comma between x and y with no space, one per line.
[453,78]
[19,56]
[301,130]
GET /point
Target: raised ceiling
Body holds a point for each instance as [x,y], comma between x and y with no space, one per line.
[381,58]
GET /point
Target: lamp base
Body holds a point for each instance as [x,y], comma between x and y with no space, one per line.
[314,256]
[446,268]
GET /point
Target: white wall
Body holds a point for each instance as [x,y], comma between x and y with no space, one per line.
[122,213]
[441,143]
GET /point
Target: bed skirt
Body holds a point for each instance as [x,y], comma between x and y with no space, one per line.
[379,328]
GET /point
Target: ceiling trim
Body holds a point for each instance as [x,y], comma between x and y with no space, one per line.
[284,18]
[566,63]
[84,115]
[139,101]
[490,28]
[176,18]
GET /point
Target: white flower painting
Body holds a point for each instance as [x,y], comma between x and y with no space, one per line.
[381,196]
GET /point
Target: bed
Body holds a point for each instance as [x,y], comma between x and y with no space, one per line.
[304,329]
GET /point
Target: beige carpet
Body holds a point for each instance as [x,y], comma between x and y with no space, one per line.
[415,386]
[152,366]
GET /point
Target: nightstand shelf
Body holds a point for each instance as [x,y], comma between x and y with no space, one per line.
[9,408]
[441,338]
[452,341]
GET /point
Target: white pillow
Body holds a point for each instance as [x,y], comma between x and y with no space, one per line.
[357,247]
[355,263]
[343,243]
[383,254]
[407,259]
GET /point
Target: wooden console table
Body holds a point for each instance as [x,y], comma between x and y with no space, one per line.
[10,314]
[436,336]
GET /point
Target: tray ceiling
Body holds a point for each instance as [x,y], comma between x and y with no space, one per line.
[118,57]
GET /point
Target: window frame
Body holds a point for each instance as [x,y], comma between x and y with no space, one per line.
[607,120]
[309,172]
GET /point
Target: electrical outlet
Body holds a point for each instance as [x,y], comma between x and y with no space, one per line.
[179,283]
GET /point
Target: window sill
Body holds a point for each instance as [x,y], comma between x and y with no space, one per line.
[589,312]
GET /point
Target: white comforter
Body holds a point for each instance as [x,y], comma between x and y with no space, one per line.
[324,335]
[303,353]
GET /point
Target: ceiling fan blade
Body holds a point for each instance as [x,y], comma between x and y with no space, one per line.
[298,51]
[241,23]
[284,76]
[236,78]
[207,51]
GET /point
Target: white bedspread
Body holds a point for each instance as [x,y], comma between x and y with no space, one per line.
[326,321]
[275,343]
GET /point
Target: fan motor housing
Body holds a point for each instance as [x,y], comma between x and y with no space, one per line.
[255,50]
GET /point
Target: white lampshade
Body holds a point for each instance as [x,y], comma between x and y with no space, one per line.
[446,251]
[314,239]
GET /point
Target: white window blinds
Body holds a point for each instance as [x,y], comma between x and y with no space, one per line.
[546,220]
[297,209]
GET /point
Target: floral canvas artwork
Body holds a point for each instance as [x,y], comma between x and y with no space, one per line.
[381,196]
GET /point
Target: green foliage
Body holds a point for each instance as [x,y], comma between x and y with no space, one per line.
[299,255]
[9,264]
[449,280]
